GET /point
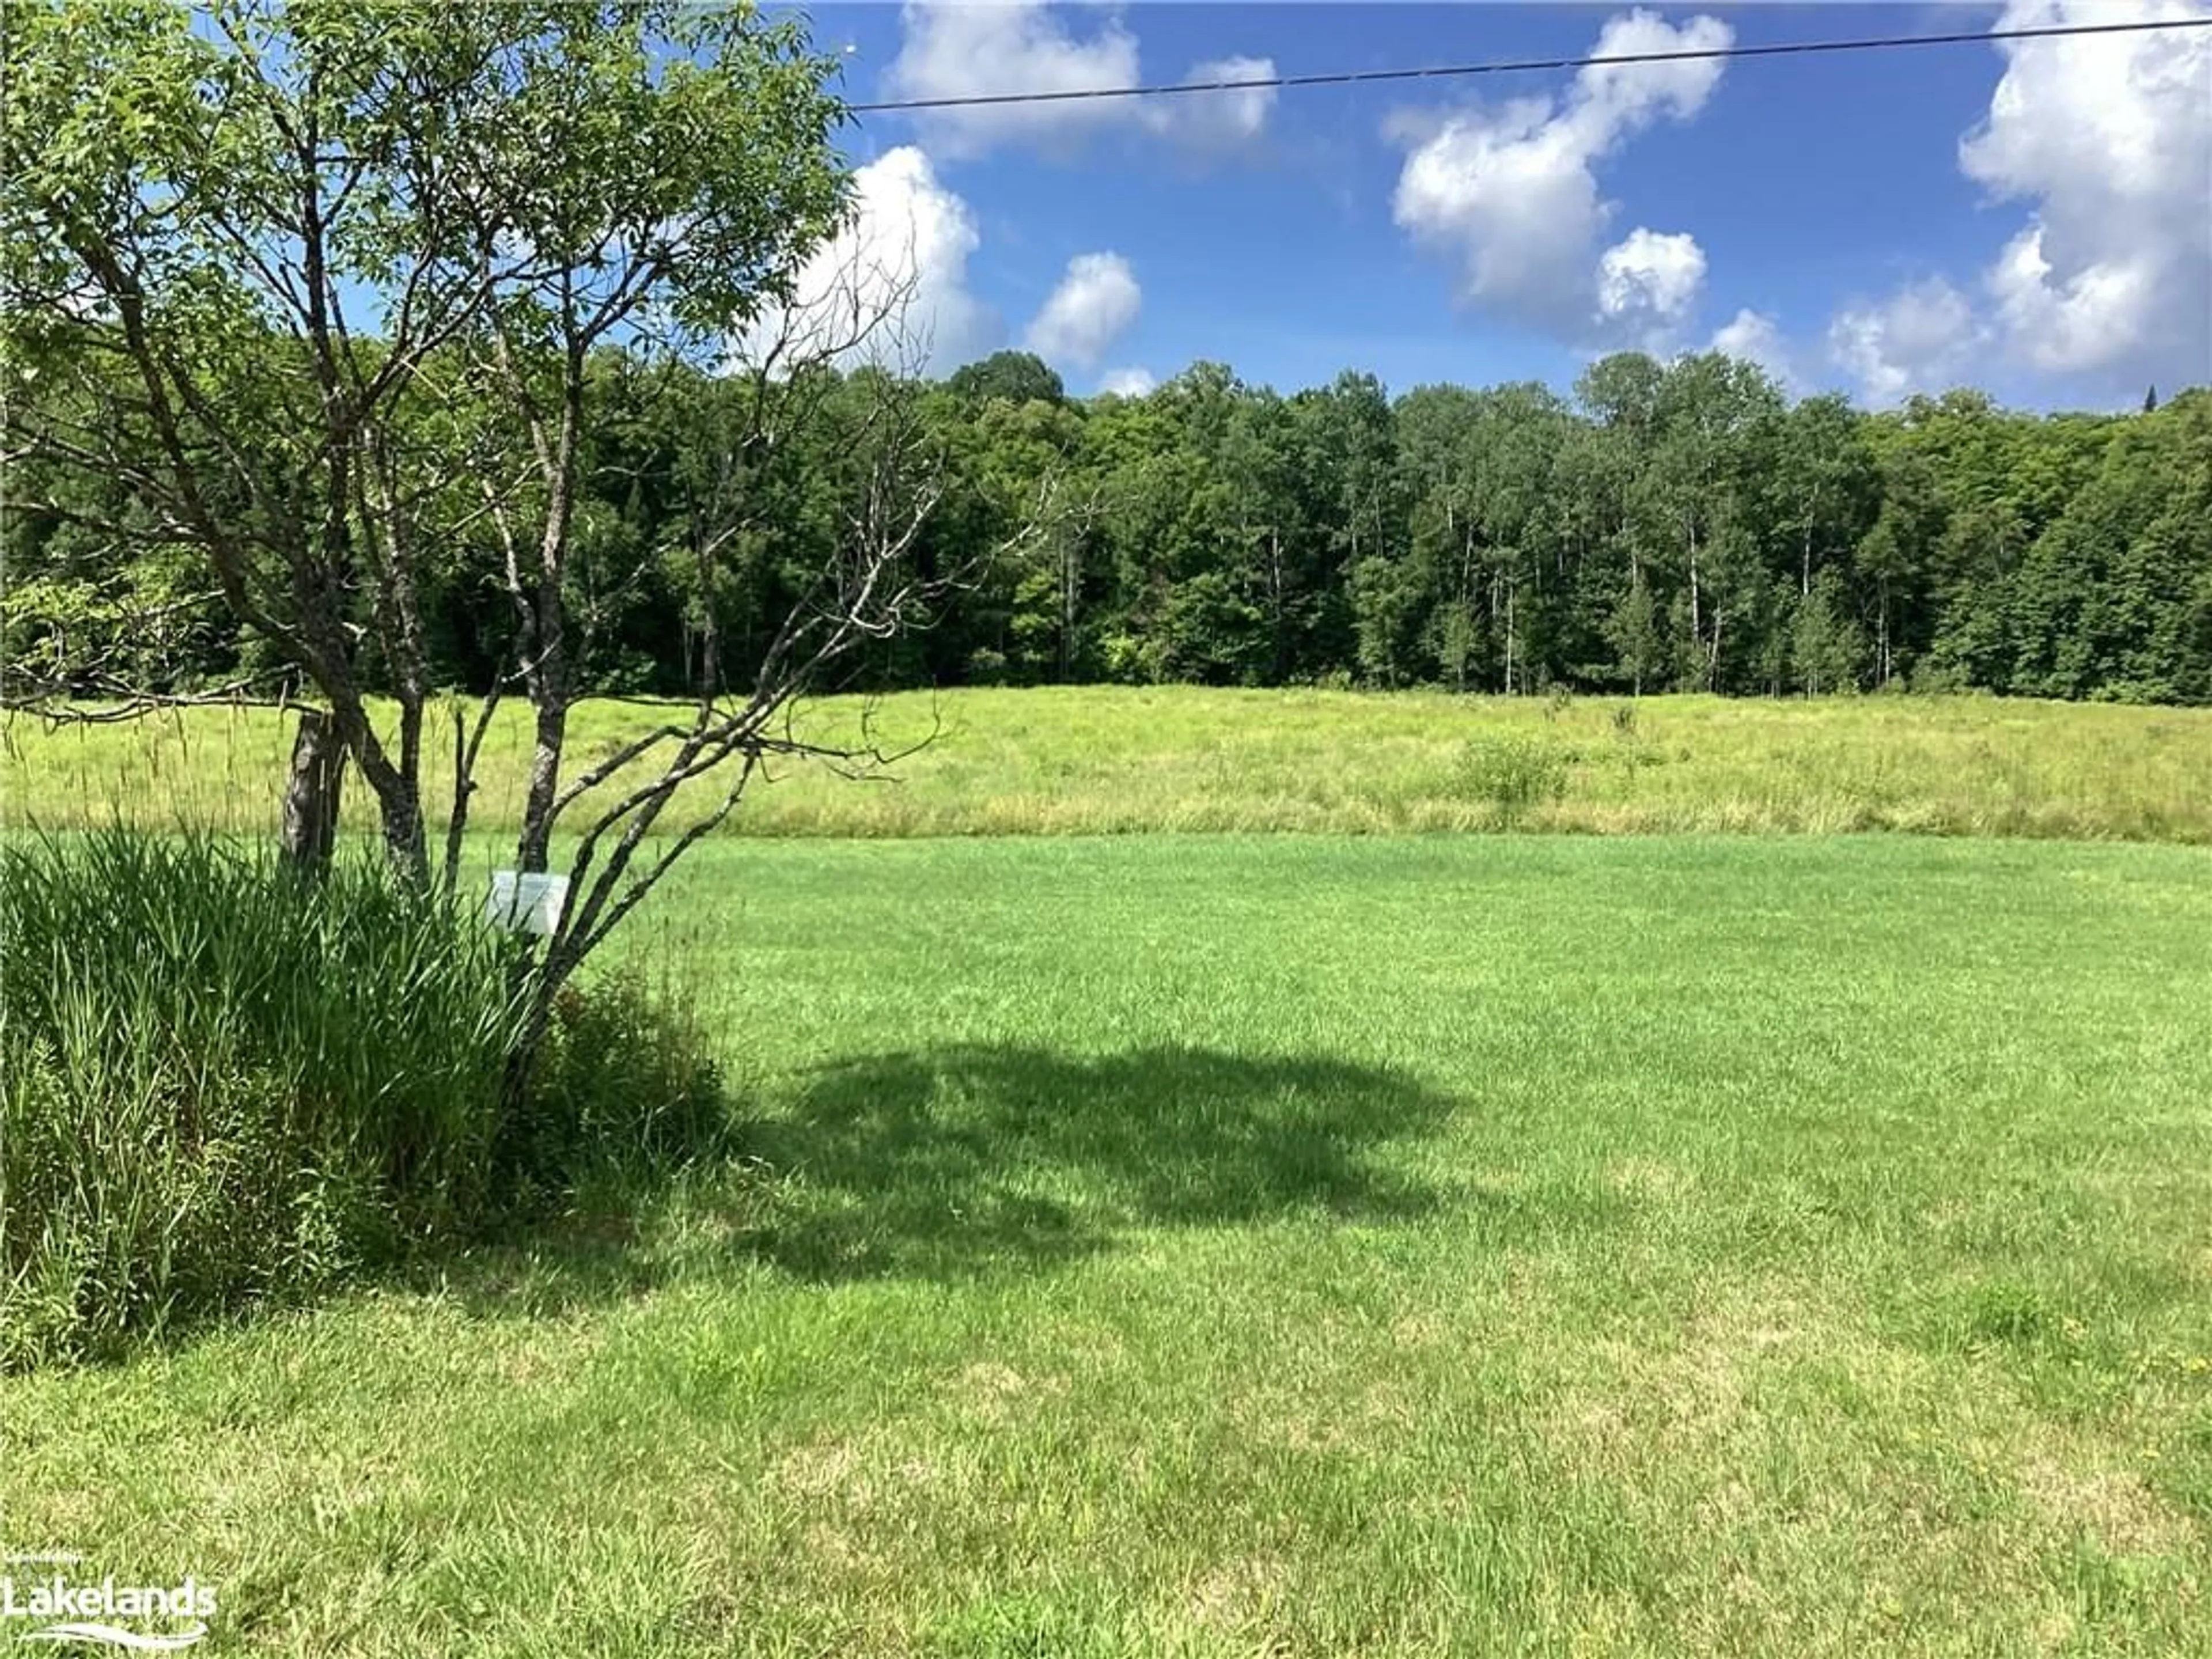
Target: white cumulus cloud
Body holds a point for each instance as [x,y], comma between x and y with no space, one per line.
[1218,120]
[1128,382]
[2108,139]
[967,50]
[1649,278]
[1096,300]
[1756,338]
[902,259]
[1512,191]
[1922,338]
[2107,284]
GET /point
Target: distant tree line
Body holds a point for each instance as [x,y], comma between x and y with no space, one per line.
[1672,526]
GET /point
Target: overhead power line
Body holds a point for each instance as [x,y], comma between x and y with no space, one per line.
[1516,66]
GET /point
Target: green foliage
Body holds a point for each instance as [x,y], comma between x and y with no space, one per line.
[321,291]
[626,1076]
[1634,633]
[1677,524]
[1515,773]
[1013,376]
[1826,643]
[227,1086]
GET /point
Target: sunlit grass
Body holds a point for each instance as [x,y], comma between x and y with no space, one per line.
[223,1087]
[1116,760]
[1225,1246]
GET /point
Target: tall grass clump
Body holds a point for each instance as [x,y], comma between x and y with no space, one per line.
[1515,773]
[222,1084]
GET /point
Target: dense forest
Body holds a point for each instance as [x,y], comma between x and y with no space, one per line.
[1673,524]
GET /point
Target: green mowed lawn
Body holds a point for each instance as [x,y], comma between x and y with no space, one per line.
[1287,1246]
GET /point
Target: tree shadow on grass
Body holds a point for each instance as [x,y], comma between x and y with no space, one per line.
[955,1161]
[968,1162]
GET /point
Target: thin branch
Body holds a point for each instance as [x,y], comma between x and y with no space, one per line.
[132,703]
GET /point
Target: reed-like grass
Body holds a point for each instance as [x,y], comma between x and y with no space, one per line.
[224,1084]
[1119,760]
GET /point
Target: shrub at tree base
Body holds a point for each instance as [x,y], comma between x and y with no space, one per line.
[220,1085]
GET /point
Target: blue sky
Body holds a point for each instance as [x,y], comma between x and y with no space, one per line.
[2035,219]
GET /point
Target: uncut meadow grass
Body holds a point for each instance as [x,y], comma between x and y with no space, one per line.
[1322,1245]
[1119,760]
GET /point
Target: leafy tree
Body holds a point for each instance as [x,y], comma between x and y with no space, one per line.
[1824,474]
[1634,631]
[1827,644]
[290,254]
[328,288]
[2109,599]
[1013,376]
[520,456]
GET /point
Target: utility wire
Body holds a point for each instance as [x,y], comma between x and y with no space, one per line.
[1355,77]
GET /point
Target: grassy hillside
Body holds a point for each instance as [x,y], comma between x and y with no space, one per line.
[1115,760]
[1327,1246]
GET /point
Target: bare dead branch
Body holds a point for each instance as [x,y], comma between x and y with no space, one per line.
[126,703]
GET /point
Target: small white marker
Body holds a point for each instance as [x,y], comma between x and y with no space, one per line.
[530,903]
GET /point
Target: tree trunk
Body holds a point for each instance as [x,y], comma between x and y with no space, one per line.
[532,852]
[1275,600]
[311,795]
[1509,639]
[1884,632]
[1697,615]
[1070,579]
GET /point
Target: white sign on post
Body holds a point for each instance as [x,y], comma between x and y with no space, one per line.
[526,903]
